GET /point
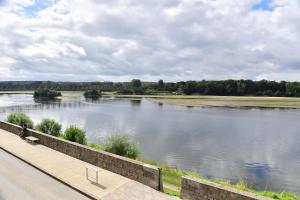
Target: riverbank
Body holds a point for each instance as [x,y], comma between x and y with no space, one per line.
[219,101]
[232,102]
[172,182]
[172,178]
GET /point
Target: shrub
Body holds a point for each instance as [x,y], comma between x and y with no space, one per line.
[121,145]
[49,126]
[92,94]
[20,119]
[45,93]
[75,134]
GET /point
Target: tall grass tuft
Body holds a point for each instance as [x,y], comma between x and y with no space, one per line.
[20,119]
[75,134]
[121,145]
[49,126]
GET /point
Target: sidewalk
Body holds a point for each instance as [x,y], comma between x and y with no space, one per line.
[72,171]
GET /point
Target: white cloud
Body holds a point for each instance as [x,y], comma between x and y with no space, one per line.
[151,39]
[52,50]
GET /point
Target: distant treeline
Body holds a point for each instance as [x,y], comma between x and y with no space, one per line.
[225,87]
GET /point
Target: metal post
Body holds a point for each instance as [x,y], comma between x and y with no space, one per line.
[97,176]
[87,173]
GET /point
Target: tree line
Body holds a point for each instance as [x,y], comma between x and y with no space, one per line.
[136,86]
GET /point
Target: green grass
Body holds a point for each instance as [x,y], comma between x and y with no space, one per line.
[95,146]
[171,192]
[276,195]
[172,177]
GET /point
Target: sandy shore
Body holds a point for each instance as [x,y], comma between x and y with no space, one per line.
[232,102]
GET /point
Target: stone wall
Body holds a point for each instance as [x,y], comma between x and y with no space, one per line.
[138,171]
[195,189]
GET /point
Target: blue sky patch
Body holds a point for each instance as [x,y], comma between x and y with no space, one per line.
[263,5]
[38,6]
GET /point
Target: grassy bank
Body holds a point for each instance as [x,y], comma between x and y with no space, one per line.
[172,182]
[219,101]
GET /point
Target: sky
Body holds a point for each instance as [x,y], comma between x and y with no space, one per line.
[173,40]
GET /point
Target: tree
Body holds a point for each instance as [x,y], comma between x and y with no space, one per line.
[45,93]
[137,87]
[190,87]
[161,85]
[92,94]
[135,83]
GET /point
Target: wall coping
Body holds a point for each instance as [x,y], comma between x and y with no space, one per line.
[225,188]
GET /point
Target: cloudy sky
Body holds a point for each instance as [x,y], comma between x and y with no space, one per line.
[97,40]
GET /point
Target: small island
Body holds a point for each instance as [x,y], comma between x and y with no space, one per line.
[46,94]
[94,94]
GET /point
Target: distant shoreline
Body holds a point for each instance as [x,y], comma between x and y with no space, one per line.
[220,104]
[204,101]
[222,101]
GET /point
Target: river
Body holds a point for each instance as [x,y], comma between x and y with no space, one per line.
[261,146]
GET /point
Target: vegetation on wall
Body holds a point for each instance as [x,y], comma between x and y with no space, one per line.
[20,119]
[121,145]
[75,134]
[49,126]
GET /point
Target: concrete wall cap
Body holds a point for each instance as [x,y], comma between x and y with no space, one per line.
[222,187]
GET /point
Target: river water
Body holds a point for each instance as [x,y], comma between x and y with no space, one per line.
[261,146]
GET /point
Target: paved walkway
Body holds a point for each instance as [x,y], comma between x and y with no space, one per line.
[72,171]
[19,180]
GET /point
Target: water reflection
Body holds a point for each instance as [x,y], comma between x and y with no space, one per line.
[92,99]
[160,104]
[260,146]
[135,102]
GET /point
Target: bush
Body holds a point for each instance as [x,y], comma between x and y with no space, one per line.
[49,126]
[45,93]
[122,146]
[92,94]
[75,134]
[20,119]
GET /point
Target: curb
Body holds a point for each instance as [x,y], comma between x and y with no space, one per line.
[52,176]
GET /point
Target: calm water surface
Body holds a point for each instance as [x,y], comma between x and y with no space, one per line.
[261,146]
